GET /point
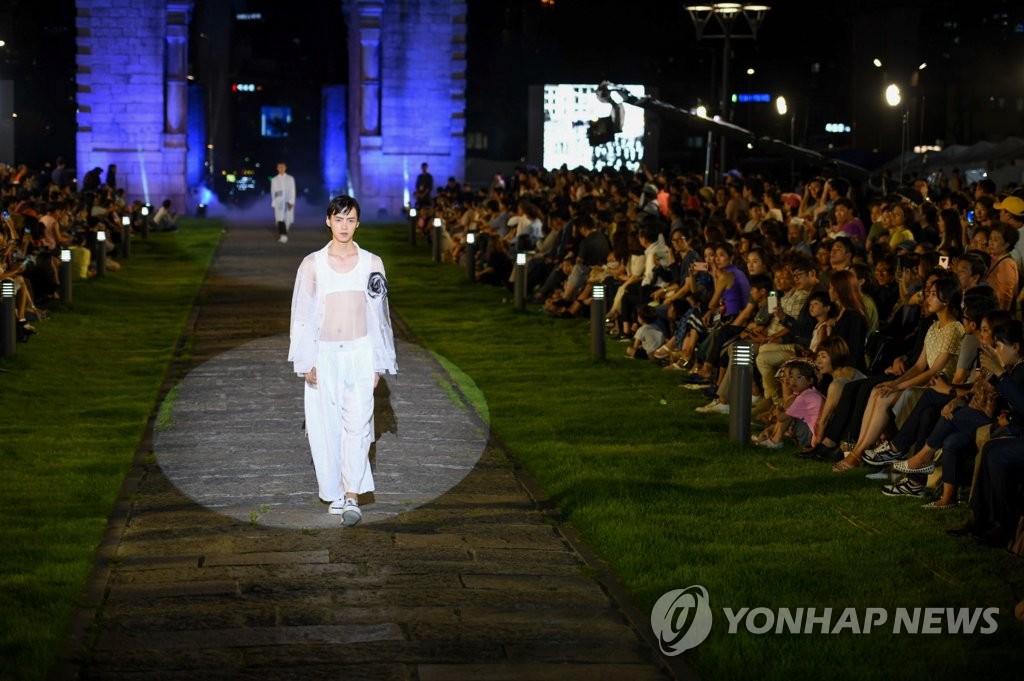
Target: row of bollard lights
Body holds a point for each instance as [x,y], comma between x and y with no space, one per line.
[8,311]
[742,355]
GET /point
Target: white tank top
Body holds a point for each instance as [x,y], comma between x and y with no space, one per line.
[344,296]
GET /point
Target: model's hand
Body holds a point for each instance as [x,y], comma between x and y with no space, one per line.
[311,377]
[376,379]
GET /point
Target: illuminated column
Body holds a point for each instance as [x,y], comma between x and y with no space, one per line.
[176,84]
[407,97]
[369,66]
[133,94]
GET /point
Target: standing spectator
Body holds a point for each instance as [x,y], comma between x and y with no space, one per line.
[59,176]
[424,186]
[91,180]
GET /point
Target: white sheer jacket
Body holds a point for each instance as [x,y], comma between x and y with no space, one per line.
[353,312]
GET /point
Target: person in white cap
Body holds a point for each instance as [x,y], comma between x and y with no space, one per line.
[341,343]
[282,199]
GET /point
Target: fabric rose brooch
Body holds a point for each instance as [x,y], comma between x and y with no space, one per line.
[377,286]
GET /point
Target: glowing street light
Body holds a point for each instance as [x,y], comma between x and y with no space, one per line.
[725,15]
[893,97]
[781,106]
[877,62]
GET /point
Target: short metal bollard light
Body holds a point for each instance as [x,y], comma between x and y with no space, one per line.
[740,391]
[412,226]
[126,236]
[597,312]
[471,256]
[65,275]
[8,321]
[101,253]
[520,281]
[145,221]
[437,239]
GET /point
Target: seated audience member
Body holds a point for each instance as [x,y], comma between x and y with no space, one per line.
[799,325]
[1002,274]
[165,220]
[995,500]
[753,320]
[846,223]
[496,265]
[730,297]
[648,337]
[941,349]
[887,291]
[851,318]
[803,405]
[832,360]
[982,404]
[971,269]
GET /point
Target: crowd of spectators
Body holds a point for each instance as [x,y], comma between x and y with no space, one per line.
[885,326]
[45,213]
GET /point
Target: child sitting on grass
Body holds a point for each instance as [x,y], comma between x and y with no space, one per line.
[801,402]
[648,337]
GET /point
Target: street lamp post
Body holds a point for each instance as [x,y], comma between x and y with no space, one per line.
[782,106]
[724,14]
[893,97]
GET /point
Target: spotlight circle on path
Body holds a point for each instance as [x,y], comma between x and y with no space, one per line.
[233,439]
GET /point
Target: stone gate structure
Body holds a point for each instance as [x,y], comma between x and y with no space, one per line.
[406,97]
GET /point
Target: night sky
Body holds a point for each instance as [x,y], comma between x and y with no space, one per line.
[818,54]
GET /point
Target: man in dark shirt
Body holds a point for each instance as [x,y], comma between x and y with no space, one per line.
[594,249]
[424,186]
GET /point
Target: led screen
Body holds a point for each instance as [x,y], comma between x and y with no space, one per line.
[568,112]
[275,121]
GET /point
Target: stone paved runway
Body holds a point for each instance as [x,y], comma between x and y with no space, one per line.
[220,562]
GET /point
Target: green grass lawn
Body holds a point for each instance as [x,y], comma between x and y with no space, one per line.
[655,489]
[662,495]
[76,400]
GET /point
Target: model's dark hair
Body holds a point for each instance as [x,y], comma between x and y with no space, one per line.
[342,204]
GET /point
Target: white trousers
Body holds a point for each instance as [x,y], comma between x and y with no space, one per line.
[284,214]
[339,417]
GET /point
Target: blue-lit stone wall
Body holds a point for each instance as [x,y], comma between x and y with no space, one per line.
[132,94]
[333,137]
[195,164]
[407,97]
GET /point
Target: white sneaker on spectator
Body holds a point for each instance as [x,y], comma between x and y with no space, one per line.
[713,407]
[704,408]
[283,239]
[769,443]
